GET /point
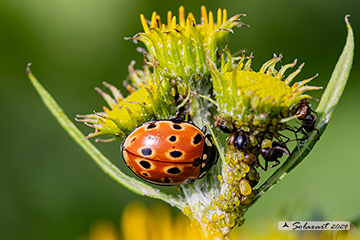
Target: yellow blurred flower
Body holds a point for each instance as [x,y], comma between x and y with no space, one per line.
[157,223]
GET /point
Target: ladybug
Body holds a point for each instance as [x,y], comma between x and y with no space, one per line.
[169,152]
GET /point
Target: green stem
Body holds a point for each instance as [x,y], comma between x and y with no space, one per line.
[109,168]
[328,102]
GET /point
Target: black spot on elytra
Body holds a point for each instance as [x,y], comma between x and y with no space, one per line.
[177,127]
[145,174]
[174,170]
[172,138]
[176,154]
[146,151]
[197,159]
[151,125]
[197,139]
[145,164]
[166,180]
[132,140]
[196,164]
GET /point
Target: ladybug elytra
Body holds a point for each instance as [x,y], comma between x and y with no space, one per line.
[169,152]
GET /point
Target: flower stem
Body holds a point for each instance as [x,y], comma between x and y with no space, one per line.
[109,168]
[328,102]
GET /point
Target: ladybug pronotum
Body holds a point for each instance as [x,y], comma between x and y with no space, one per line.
[169,152]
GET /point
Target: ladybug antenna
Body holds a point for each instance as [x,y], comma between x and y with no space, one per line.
[204,129]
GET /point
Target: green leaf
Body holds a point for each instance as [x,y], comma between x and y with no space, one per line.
[325,109]
[130,183]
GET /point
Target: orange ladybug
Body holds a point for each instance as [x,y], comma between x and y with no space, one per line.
[169,152]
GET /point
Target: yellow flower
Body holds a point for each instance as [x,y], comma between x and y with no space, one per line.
[178,55]
[149,97]
[180,48]
[244,94]
[101,230]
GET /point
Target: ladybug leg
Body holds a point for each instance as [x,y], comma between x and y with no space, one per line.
[202,174]
[209,156]
[204,129]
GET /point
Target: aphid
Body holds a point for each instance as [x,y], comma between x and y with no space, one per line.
[241,141]
[225,125]
[271,154]
[169,152]
[238,140]
[303,112]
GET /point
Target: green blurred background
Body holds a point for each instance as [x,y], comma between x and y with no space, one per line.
[50,189]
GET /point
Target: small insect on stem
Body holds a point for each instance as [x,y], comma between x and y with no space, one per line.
[271,154]
[303,112]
